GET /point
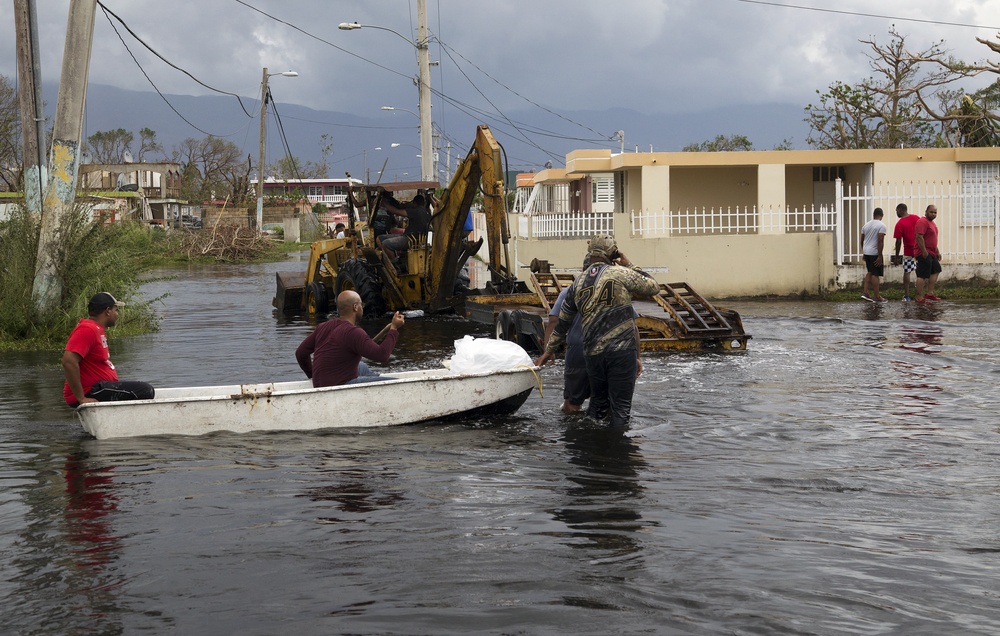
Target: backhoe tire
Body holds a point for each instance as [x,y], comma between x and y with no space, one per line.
[502,326]
[317,301]
[361,276]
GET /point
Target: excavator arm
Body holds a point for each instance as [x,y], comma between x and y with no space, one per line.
[481,169]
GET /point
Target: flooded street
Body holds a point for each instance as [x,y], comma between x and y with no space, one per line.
[840,477]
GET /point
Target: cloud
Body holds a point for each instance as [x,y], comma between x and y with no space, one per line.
[648,56]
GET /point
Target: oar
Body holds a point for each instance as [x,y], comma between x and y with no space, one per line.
[380,336]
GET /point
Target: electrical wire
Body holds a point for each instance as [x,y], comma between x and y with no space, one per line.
[871,15]
[155,88]
[108,12]
[319,39]
[533,103]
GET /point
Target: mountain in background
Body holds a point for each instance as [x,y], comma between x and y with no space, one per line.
[353,139]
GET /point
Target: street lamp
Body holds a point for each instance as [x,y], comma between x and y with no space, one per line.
[423,83]
[402,109]
[368,176]
[264,94]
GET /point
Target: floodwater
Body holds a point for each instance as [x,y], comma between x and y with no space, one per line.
[840,477]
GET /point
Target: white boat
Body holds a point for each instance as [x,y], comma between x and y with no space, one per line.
[412,396]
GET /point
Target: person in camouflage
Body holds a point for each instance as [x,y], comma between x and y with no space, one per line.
[602,295]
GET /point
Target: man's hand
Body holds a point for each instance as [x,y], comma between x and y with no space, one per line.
[623,260]
[638,370]
[545,358]
[398,320]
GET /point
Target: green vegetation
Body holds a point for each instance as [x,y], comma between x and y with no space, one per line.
[93,257]
[966,290]
[114,257]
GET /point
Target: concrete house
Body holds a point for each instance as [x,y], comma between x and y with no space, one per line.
[759,222]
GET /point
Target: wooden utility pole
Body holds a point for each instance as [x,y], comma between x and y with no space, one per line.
[60,192]
[424,95]
[29,79]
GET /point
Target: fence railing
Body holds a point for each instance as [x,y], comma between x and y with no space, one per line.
[565,225]
[968,219]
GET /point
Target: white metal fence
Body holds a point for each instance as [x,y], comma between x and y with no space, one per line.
[968,218]
[732,220]
[573,225]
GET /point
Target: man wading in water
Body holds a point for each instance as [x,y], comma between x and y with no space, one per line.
[603,296]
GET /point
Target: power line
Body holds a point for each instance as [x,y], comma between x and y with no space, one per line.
[870,15]
[319,39]
[499,83]
[108,12]
[143,71]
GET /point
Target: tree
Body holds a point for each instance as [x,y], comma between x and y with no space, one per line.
[887,110]
[147,144]
[967,119]
[213,169]
[291,168]
[721,143]
[11,163]
[110,146]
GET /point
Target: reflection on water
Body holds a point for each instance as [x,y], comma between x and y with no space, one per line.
[838,477]
[603,505]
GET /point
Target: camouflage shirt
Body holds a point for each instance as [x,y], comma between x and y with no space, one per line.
[603,297]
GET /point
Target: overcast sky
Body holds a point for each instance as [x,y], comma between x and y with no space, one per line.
[651,56]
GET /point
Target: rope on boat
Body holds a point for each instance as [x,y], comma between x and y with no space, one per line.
[534,372]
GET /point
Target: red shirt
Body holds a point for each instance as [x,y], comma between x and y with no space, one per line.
[904,230]
[90,342]
[330,355]
[926,227]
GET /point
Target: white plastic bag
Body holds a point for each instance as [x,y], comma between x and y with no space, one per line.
[481,355]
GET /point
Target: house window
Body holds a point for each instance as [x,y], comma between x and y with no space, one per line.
[315,192]
[827,173]
[603,189]
[979,192]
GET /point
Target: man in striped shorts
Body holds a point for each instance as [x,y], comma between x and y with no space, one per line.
[905,236]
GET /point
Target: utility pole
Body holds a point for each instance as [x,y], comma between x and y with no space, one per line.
[424,86]
[265,94]
[60,192]
[29,76]
[260,164]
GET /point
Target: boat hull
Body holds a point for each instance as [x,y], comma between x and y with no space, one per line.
[412,396]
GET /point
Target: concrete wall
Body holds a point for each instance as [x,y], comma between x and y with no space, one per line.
[712,187]
[716,266]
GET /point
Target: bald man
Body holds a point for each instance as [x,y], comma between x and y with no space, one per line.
[331,355]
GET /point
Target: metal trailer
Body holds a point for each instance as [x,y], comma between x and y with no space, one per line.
[676,319]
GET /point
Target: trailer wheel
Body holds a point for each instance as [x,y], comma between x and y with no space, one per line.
[361,277]
[317,301]
[517,320]
[502,326]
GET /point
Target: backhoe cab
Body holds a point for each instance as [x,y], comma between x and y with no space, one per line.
[428,275]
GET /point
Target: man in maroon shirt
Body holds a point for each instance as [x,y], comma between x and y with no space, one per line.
[332,353]
[928,255]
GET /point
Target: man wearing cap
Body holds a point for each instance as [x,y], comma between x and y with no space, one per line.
[90,375]
[602,295]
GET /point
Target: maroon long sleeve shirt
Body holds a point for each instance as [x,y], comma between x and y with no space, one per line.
[330,354]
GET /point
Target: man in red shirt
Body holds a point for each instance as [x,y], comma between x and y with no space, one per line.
[904,235]
[331,355]
[928,255]
[90,375]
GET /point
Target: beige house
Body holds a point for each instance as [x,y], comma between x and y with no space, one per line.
[760,222]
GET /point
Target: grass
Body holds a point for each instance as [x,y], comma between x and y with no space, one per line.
[93,257]
[970,290]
